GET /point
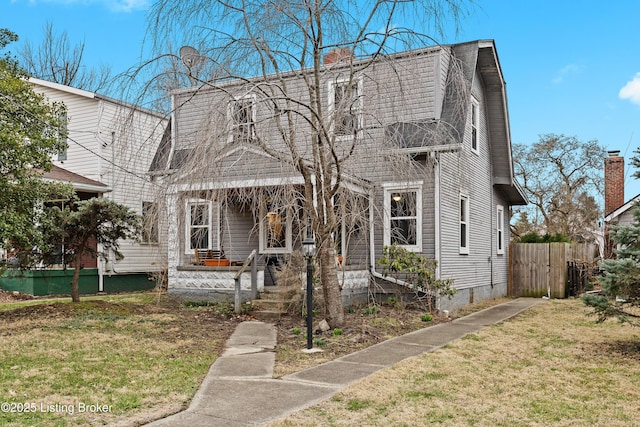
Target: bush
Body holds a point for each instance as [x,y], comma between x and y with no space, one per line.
[533,237]
[418,272]
[426,318]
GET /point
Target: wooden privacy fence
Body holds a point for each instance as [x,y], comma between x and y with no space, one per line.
[538,268]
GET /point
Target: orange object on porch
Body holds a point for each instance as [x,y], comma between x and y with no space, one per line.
[216,262]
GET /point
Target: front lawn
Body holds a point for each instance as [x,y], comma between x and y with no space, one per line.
[108,359]
[549,366]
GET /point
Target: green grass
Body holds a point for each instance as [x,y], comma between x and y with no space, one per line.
[545,367]
[133,355]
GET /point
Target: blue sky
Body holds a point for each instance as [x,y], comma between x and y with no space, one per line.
[571,67]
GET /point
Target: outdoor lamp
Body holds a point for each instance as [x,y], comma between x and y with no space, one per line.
[309,250]
[308,247]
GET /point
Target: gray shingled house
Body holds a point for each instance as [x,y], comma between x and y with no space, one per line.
[429,168]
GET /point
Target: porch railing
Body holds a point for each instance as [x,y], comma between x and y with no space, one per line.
[251,260]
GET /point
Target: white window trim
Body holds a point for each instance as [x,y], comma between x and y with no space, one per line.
[500,230]
[213,219]
[400,188]
[464,250]
[343,227]
[331,103]
[475,124]
[262,244]
[231,123]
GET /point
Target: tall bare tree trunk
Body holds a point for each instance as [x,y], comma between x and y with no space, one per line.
[331,286]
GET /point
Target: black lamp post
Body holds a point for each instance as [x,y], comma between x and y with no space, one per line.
[309,250]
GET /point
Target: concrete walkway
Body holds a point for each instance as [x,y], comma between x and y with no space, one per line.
[239,389]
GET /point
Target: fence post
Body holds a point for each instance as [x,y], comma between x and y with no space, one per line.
[254,278]
[237,299]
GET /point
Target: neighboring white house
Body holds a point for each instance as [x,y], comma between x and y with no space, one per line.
[452,204]
[110,148]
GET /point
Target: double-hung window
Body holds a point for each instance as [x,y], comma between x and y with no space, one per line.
[345,106]
[403,216]
[500,230]
[475,125]
[464,224]
[202,225]
[242,118]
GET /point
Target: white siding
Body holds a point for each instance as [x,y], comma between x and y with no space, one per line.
[114,144]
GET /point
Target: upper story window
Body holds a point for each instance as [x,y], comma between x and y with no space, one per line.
[403,216]
[202,225]
[242,118]
[464,224]
[475,125]
[500,230]
[345,106]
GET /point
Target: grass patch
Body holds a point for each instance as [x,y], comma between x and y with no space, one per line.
[136,355]
[547,366]
[357,404]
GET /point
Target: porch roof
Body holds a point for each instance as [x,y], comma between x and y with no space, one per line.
[79,182]
[244,166]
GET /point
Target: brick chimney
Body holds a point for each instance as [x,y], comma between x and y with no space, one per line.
[613,182]
[338,54]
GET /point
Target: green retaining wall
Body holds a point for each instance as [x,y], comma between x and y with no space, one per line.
[58,282]
[128,282]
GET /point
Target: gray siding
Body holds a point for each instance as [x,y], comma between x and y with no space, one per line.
[409,89]
[470,174]
[403,91]
[239,235]
[626,218]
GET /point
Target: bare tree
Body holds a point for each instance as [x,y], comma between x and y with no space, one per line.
[563,179]
[56,60]
[276,50]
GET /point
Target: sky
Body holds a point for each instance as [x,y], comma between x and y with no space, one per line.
[571,67]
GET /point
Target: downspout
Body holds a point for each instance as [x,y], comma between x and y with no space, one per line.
[494,240]
[372,249]
[101,261]
[436,214]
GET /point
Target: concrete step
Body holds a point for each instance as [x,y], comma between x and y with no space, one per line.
[273,302]
[268,304]
[267,315]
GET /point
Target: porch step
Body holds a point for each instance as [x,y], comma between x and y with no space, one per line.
[267,315]
[274,302]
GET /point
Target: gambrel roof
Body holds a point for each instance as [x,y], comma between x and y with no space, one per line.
[443,131]
[482,56]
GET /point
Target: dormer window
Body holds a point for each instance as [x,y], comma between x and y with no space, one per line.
[242,117]
[345,104]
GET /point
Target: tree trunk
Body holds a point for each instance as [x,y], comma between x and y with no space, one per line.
[75,288]
[331,286]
